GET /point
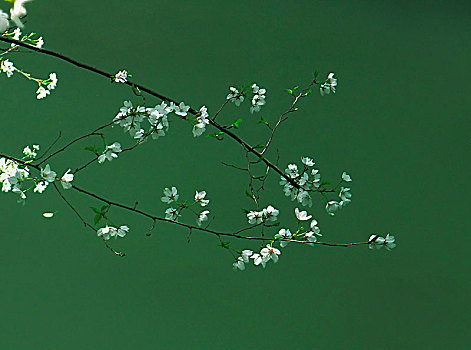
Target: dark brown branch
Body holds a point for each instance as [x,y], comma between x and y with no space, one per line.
[86,224]
[156,94]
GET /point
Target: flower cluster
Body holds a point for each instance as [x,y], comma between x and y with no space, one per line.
[310,236]
[48,176]
[50,84]
[14,174]
[171,213]
[266,254]
[307,177]
[284,236]
[130,118]
[267,214]
[258,99]
[108,232]
[31,152]
[328,85]
[235,96]
[377,242]
[6,66]
[110,152]
[333,206]
[200,122]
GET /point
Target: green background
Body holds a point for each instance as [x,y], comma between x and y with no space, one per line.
[399,124]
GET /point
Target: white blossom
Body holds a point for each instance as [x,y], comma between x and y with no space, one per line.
[200,122]
[7,67]
[4,24]
[18,11]
[346,177]
[181,109]
[246,254]
[285,234]
[292,171]
[377,242]
[260,259]
[332,207]
[258,99]
[31,153]
[239,264]
[311,237]
[122,231]
[199,198]
[17,189]
[41,186]
[53,83]
[121,76]
[315,228]
[235,96]
[302,216]
[110,152]
[47,174]
[270,252]
[170,195]
[171,214]
[307,161]
[303,179]
[66,180]
[328,85]
[255,217]
[270,213]
[345,195]
[107,232]
[110,232]
[16,34]
[203,216]
[316,178]
[11,173]
[42,92]
[304,198]
[40,42]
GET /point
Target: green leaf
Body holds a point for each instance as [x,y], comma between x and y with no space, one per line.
[97,219]
[289,91]
[95,210]
[218,136]
[105,207]
[236,123]
[262,121]
[224,244]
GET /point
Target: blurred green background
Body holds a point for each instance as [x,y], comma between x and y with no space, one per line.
[399,124]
